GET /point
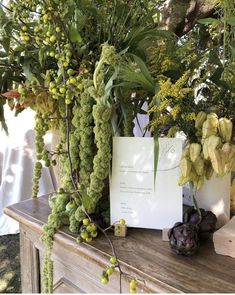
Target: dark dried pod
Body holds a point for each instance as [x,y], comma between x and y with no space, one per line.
[183,238]
[207,224]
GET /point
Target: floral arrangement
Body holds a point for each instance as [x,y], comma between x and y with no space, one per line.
[86,68]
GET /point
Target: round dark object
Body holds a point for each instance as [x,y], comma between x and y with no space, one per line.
[183,238]
[207,224]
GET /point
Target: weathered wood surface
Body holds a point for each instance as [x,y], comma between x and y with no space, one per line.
[142,253]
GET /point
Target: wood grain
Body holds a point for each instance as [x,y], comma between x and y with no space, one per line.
[142,253]
[29,257]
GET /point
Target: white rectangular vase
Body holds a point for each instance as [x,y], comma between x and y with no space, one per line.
[214,196]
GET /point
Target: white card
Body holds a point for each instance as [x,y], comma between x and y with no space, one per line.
[132,193]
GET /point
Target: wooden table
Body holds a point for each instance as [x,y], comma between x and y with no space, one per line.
[78,268]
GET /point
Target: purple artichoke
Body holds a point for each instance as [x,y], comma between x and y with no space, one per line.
[207,224]
[183,238]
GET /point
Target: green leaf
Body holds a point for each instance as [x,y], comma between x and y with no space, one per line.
[156,155]
[232,51]
[42,55]
[74,35]
[6,44]
[144,69]
[209,21]
[2,118]
[230,20]
[214,58]
[27,69]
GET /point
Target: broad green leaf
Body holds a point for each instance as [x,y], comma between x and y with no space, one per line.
[214,58]
[209,21]
[230,20]
[74,35]
[143,68]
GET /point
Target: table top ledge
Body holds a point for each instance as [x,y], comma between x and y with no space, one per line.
[144,252]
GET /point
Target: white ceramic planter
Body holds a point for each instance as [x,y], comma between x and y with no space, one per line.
[215,196]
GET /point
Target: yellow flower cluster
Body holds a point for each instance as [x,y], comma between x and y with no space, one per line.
[169,101]
[160,59]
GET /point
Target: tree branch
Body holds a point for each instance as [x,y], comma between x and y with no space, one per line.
[180,16]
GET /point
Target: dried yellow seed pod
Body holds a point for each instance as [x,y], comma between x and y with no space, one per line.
[205,149]
[185,167]
[200,119]
[226,149]
[194,150]
[225,129]
[217,162]
[228,154]
[212,116]
[209,127]
[208,170]
[198,165]
[213,143]
[200,182]
[186,153]
[183,180]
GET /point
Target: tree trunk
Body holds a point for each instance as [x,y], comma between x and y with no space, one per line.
[179,16]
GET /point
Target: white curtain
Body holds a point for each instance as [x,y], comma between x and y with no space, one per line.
[17,154]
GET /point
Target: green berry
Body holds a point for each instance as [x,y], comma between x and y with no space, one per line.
[54,91]
[68,101]
[62,90]
[79,240]
[52,38]
[84,235]
[65,64]
[109,270]
[133,284]
[86,221]
[47,163]
[122,221]
[91,227]
[70,72]
[113,260]
[104,280]
[89,239]
[94,234]
[72,81]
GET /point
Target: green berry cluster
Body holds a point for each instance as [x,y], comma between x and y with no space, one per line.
[40,130]
[88,231]
[86,152]
[101,162]
[133,286]
[57,217]
[109,270]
